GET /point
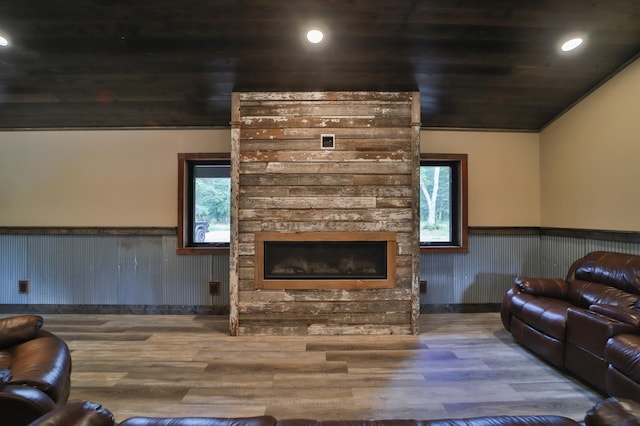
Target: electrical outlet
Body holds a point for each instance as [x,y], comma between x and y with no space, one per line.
[23,286]
[214,288]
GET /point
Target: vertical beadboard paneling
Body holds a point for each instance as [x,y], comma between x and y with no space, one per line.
[140,264]
[144,270]
[95,269]
[50,263]
[186,277]
[484,274]
[558,253]
[220,272]
[13,267]
[108,270]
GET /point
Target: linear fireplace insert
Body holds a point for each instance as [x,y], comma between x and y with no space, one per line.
[317,260]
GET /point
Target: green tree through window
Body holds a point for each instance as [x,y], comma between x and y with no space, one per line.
[435,203]
[212,203]
[204,200]
[443,202]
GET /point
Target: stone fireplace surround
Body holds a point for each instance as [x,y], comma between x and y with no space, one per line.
[286,186]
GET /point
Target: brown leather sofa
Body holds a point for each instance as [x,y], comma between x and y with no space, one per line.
[587,323]
[35,367]
[608,412]
[92,414]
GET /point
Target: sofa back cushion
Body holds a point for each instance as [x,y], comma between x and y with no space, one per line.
[620,270]
[586,293]
[606,278]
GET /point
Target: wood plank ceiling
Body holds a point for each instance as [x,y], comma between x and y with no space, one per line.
[492,64]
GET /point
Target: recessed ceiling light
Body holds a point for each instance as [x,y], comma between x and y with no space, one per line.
[571,44]
[315,36]
[3,41]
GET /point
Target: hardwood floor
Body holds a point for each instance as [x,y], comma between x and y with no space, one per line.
[461,365]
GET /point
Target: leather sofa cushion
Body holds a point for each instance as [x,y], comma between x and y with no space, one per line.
[473,421]
[618,313]
[620,385]
[545,314]
[18,329]
[585,293]
[200,421]
[504,421]
[612,269]
[623,352]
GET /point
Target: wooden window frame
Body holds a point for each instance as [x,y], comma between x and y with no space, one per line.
[183,246]
[459,162]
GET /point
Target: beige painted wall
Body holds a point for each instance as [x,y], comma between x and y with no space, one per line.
[504,173]
[590,160]
[96,178]
[129,177]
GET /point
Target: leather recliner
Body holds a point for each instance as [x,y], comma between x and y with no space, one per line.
[35,367]
[586,323]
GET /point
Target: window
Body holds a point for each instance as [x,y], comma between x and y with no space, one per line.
[443,202]
[204,200]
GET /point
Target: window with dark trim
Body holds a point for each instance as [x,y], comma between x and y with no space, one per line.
[204,207]
[443,203]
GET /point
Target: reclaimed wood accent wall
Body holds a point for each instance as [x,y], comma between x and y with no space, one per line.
[284,180]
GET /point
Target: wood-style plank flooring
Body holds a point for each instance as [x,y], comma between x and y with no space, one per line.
[461,365]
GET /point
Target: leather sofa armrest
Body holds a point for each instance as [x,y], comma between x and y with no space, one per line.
[613,412]
[550,287]
[17,329]
[619,313]
[21,405]
[43,363]
[77,413]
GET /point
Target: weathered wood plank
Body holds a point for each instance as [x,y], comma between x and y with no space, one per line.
[337,179]
[326,155]
[312,142]
[326,307]
[401,180]
[329,318]
[299,180]
[307,202]
[388,202]
[348,133]
[234,320]
[382,192]
[289,184]
[347,215]
[325,109]
[381,168]
[364,329]
[249,98]
[415,209]
[340,295]
[266,122]
[260,226]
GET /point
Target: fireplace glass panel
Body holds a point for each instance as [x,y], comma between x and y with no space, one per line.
[325,260]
